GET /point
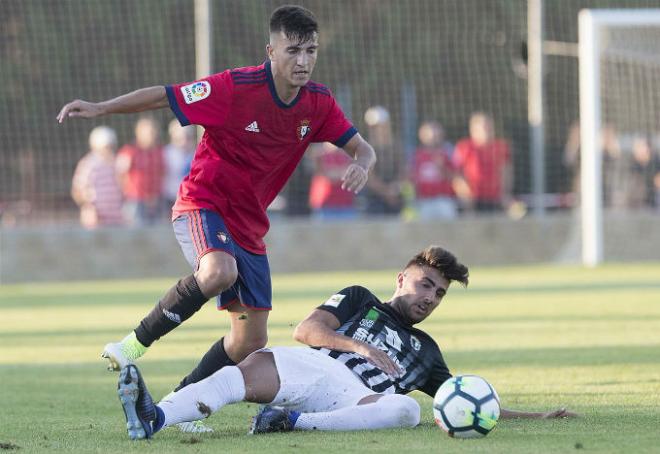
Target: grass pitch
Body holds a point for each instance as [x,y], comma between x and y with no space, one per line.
[545,337]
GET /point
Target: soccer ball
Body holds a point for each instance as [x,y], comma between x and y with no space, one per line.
[466,406]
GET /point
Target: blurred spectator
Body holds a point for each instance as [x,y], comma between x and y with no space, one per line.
[27,171]
[485,164]
[616,166]
[327,199]
[644,171]
[177,154]
[571,157]
[616,169]
[95,188]
[433,173]
[140,168]
[383,195]
[656,184]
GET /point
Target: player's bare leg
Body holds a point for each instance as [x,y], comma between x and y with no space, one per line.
[217,272]
[262,380]
[249,331]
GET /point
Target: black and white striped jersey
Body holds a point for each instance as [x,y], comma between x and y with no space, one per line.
[364,317]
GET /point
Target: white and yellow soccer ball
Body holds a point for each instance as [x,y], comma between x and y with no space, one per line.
[466,406]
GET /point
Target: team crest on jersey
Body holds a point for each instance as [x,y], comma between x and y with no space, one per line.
[222,236]
[415,343]
[303,129]
[334,300]
[196,91]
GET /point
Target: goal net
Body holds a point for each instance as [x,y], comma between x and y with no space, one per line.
[619,127]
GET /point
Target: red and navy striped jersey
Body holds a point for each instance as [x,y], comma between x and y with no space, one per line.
[251,145]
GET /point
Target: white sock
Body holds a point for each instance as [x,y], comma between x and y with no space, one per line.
[199,400]
[390,411]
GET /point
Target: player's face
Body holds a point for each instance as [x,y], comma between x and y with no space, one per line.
[419,291]
[293,61]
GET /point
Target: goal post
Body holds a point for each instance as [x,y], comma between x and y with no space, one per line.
[592,24]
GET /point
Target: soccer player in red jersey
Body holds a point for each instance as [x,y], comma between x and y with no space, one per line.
[258,123]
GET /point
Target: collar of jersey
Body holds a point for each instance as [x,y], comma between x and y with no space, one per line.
[273,92]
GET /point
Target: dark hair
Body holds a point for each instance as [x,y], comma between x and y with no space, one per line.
[297,23]
[443,261]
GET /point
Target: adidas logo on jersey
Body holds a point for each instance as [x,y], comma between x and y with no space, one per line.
[252,127]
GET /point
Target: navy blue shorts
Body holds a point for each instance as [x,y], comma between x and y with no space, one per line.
[202,231]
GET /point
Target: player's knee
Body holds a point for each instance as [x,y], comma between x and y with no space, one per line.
[406,409]
[214,280]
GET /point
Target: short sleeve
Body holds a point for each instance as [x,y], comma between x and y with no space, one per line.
[336,128]
[346,303]
[205,102]
[439,374]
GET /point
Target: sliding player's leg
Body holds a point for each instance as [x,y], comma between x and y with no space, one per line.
[212,255]
[253,380]
[320,393]
[248,331]
[374,412]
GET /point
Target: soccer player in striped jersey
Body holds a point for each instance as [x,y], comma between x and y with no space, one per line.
[258,122]
[366,356]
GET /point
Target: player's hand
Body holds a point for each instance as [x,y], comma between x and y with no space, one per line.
[354,178]
[561,413]
[79,108]
[379,359]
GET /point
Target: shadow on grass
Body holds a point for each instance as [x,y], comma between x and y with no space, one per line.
[314,295]
[493,359]
[556,357]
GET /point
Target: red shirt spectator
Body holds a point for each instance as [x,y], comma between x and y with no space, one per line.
[144,177]
[484,162]
[482,167]
[432,173]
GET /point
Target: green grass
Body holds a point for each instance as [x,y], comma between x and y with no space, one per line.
[545,337]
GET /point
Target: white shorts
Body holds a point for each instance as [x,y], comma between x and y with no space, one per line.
[312,382]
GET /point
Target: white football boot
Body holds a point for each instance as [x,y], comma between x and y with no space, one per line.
[114,353]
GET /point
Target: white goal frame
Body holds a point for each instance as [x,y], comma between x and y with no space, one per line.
[591,23]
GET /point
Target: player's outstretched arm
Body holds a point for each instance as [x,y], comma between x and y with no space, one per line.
[357,173]
[149,98]
[318,330]
[561,413]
